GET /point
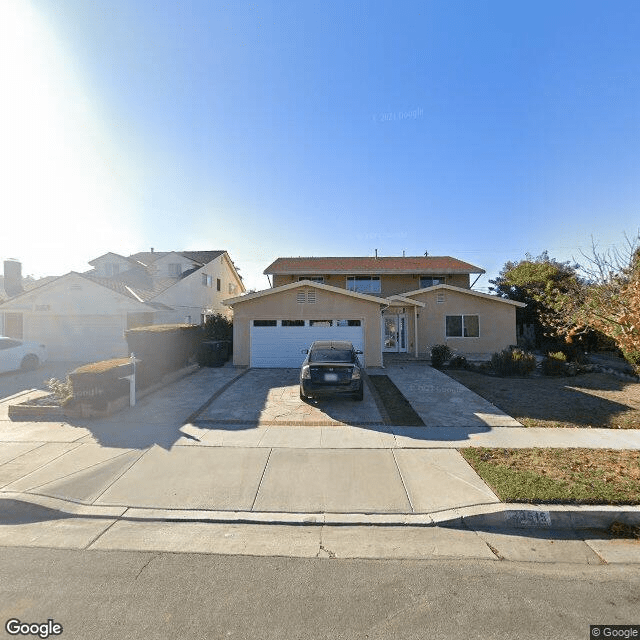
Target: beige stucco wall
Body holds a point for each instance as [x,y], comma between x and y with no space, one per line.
[497,322]
[328,306]
[390,284]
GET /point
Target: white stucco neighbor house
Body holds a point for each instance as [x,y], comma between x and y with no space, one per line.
[83,316]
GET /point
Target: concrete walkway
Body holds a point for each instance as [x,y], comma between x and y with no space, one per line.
[175,456]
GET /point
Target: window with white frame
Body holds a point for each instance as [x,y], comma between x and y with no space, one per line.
[463,326]
[364,284]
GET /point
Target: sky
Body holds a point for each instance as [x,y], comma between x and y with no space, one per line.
[481,130]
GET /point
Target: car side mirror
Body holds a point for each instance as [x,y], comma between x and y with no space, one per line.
[359,352]
[304,351]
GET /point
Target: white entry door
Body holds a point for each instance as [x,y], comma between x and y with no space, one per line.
[394,332]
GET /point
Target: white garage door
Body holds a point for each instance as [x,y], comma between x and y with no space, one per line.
[279,343]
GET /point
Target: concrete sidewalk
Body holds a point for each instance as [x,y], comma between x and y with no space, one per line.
[131,476]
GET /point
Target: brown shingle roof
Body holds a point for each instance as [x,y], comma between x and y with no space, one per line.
[410,264]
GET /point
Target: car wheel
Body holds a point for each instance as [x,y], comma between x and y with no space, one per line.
[359,394]
[30,362]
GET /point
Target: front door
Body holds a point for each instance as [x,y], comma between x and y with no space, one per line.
[395,332]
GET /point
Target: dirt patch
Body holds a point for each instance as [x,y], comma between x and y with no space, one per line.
[397,407]
[589,400]
[581,476]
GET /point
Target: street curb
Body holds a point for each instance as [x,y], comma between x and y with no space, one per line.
[503,517]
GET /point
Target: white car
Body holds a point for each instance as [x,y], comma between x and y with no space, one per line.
[20,354]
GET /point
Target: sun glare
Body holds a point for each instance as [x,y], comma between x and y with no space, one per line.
[61,197]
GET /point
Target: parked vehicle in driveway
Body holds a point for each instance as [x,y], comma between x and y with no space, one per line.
[331,368]
[20,354]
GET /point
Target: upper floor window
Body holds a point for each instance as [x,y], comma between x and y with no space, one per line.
[207,280]
[218,284]
[430,281]
[319,279]
[364,284]
[175,269]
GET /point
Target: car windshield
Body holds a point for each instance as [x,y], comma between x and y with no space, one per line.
[331,355]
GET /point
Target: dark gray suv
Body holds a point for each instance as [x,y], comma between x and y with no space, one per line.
[331,368]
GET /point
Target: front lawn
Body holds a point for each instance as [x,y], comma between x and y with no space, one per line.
[587,400]
[578,476]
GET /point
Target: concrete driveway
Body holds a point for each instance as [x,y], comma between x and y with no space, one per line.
[270,397]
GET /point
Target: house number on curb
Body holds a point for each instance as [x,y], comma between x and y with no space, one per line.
[526,518]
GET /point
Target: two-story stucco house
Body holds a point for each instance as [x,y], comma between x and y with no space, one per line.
[381,304]
[83,316]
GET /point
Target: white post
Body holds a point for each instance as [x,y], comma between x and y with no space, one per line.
[132,382]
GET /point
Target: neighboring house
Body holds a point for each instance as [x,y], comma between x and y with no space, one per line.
[83,316]
[381,304]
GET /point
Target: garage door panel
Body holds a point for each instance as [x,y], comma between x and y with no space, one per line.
[282,346]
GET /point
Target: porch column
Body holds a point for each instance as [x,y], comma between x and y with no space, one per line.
[415,329]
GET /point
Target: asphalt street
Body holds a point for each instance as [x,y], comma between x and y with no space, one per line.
[112,595]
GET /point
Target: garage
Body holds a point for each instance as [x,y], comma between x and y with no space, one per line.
[271,328]
[280,343]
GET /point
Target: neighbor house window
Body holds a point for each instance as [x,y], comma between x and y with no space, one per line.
[207,280]
[112,269]
[292,323]
[319,279]
[364,284]
[218,284]
[430,281]
[175,269]
[463,326]
[320,323]
[265,323]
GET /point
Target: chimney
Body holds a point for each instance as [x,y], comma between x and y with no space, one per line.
[12,277]
[376,253]
[151,249]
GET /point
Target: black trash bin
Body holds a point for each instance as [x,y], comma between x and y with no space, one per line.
[213,353]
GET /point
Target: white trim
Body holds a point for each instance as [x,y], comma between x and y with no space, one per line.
[303,283]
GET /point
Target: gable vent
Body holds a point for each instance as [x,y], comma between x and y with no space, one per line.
[311,296]
[301,297]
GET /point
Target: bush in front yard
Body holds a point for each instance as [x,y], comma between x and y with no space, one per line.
[513,362]
[163,349]
[458,362]
[554,364]
[440,353]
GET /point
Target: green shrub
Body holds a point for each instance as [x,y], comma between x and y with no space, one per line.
[513,362]
[163,349]
[458,362]
[440,353]
[554,364]
[218,327]
[98,382]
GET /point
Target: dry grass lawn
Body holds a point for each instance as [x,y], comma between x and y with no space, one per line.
[581,476]
[588,400]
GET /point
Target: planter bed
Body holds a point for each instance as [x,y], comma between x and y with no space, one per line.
[41,405]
